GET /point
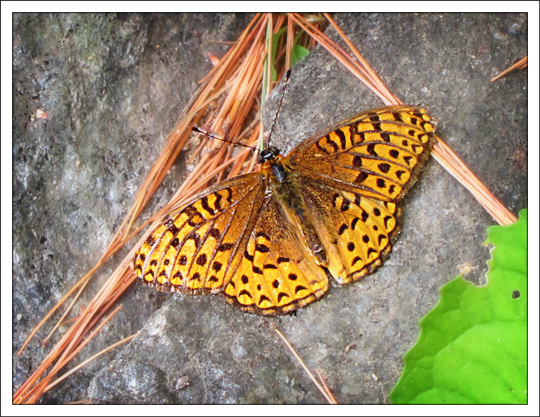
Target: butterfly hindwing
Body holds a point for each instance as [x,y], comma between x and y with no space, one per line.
[356,231]
[276,275]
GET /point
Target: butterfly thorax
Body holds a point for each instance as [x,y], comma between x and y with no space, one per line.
[285,189]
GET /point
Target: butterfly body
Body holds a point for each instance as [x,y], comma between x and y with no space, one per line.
[271,241]
[284,185]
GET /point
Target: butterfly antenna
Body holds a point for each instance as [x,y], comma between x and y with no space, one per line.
[287,77]
[196,129]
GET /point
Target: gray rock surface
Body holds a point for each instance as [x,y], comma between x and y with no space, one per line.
[112,86]
[112,112]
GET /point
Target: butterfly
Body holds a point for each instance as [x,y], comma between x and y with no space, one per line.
[271,241]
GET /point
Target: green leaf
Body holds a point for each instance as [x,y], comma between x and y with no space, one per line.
[297,53]
[472,347]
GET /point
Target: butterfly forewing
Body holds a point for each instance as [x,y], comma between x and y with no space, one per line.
[195,247]
[378,152]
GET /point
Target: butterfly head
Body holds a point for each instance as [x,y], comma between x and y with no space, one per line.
[268,154]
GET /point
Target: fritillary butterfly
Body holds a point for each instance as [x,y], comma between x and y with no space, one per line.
[271,241]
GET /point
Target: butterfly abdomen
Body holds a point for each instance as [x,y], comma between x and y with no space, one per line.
[285,188]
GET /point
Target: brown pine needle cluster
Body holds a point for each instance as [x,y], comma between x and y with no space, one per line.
[228,105]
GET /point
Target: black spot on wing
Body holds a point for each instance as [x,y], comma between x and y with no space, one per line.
[229,195]
[299,288]
[361,177]
[335,197]
[245,292]
[217,203]
[364,216]
[263,298]
[320,147]
[206,207]
[262,248]
[215,233]
[202,259]
[331,143]
[384,167]
[342,139]
[375,119]
[262,234]
[224,247]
